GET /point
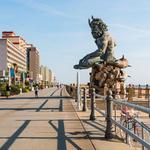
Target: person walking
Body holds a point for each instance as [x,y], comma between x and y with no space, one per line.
[36,91]
[7,90]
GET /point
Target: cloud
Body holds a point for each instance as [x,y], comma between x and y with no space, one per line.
[137,32]
[42,7]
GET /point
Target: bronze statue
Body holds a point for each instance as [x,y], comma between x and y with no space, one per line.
[104,42]
[106,69]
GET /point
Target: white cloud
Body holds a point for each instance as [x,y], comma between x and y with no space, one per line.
[137,32]
[42,7]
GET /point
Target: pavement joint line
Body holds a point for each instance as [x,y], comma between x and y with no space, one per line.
[84,128]
[12,111]
[39,97]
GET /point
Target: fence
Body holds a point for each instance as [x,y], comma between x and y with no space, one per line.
[112,111]
[135,94]
[113,116]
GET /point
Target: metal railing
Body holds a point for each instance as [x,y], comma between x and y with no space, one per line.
[111,105]
[111,120]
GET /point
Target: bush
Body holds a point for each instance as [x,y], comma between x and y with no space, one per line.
[15,89]
[3,89]
[26,89]
[27,83]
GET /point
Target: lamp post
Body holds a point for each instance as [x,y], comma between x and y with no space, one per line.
[78,92]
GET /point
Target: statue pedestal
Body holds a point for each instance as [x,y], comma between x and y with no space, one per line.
[105,76]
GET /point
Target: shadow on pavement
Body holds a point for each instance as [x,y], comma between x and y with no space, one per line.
[62,138]
[12,139]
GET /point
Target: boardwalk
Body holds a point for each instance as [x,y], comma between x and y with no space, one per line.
[50,124]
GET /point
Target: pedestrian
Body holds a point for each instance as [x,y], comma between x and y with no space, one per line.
[36,91]
[7,90]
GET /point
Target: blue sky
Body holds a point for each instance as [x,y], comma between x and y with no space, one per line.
[59,29]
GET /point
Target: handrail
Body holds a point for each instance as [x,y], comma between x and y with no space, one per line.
[144,126]
[100,96]
[137,107]
[129,132]
[136,137]
[101,112]
[124,102]
[110,102]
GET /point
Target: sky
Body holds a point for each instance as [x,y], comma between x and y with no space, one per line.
[60,31]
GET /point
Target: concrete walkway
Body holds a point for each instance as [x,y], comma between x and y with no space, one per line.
[50,124]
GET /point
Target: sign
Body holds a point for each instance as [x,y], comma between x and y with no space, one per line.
[23,76]
[12,73]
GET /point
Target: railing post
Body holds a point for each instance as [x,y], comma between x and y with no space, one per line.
[130,93]
[146,91]
[133,90]
[149,103]
[127,136]
[92,115]
[142,137]
[139,91]
[108,132]
[76,95]
[84,100]
[148,98]
[115,117]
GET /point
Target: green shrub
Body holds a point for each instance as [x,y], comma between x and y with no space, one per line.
[3,89]
[15,89]
[20,85]
[25,90]
[27,83]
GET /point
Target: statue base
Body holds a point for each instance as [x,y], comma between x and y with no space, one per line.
[105,76]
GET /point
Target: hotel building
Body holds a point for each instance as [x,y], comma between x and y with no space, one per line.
[33,61]
[13,53]
[46,75]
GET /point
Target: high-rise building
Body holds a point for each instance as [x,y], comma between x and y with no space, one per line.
[33,61]
[46,71]
[13,53]
[50,77]
[18,41]
[46,75]
[42,72]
